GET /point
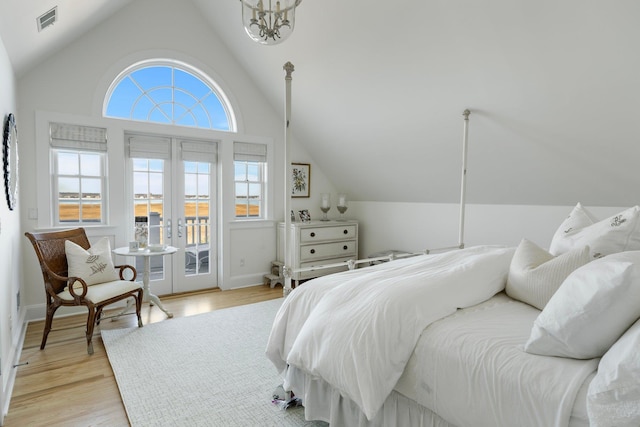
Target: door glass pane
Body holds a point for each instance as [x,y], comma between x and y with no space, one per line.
[148,194]
[197,222]
[203,185]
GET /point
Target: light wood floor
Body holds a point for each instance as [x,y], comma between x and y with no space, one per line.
[63,386]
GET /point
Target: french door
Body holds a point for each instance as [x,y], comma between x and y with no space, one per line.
[173,182]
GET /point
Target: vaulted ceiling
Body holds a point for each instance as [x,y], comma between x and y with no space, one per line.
[380,87]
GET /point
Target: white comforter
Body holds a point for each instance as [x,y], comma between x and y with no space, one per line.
[357,329]
[471,369]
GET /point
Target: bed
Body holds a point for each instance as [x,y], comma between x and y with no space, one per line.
[480,336]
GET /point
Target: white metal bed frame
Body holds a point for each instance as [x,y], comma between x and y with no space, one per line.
[287,271]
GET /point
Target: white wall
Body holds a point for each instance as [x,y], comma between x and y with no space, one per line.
[419,226]
[73,83]
[10,255]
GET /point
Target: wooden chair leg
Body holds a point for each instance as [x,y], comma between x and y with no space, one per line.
[99,315]
[47,325]
[91,321]
[45,333]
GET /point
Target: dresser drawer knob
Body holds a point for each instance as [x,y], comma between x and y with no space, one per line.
[345,247]
[313,234]
[313,251]
[346,231]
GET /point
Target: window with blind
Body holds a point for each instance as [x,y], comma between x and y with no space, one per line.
[79,173]
[250,165]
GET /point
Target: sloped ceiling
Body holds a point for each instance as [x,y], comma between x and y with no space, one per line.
[19,28]
[380,87]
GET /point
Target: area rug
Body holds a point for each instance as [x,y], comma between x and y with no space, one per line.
[204,370]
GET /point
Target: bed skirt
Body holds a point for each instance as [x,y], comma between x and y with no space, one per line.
[322,402]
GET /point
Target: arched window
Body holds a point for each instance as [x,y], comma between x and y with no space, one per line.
[171,93]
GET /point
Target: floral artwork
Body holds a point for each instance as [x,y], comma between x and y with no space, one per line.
[300,179]
[304,215]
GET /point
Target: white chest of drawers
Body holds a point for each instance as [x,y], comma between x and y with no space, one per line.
[318,243]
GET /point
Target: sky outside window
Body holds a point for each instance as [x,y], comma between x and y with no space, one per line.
[169,95]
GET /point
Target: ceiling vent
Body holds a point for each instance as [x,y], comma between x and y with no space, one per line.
[47,19]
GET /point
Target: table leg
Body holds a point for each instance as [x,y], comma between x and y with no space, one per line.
[147,295]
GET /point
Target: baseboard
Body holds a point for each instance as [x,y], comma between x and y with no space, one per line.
[10,366]
[39,311]
[243,281]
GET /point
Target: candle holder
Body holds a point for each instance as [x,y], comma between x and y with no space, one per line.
[325,205]
[342,205]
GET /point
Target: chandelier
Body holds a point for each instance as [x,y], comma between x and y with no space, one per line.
[269,21]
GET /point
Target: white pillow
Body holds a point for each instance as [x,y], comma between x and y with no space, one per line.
[615,234]
[535,275]
[590,310]
[93,266]
[613,398]
[579,217]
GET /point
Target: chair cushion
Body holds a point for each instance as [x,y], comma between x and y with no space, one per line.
[102,291]
[94,265]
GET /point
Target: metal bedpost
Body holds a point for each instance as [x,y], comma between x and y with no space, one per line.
[288,68]
[463,183]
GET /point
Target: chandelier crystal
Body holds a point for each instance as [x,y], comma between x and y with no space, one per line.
[269,21]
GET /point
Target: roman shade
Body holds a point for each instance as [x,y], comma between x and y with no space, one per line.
[250,152]
[77,137]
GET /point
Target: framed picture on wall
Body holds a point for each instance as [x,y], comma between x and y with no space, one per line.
[300,179]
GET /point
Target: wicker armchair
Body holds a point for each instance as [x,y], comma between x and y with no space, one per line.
[65,291]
